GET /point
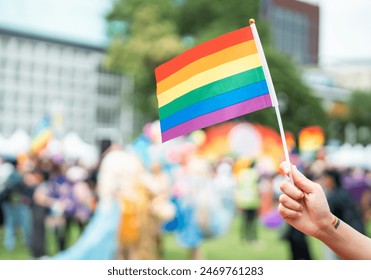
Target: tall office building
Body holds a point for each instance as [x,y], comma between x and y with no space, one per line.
[42,73]
[294,28]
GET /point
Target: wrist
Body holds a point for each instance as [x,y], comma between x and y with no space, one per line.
[330,224]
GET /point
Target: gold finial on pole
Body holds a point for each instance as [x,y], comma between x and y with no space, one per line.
[251,21]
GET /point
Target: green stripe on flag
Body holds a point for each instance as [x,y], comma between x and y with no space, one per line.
[211,90]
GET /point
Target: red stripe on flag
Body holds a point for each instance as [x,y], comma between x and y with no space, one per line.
[227,40]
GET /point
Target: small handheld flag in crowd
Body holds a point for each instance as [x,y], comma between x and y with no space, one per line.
[41,134]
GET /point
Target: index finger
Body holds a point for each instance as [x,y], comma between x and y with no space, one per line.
[300,180]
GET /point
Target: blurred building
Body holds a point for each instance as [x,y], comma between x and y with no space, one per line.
[45,74]
[334,96]
[294,27]
[353,75]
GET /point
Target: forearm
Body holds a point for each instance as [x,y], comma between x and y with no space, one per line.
[346,242]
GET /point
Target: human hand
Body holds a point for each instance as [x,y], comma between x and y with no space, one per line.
[303,204]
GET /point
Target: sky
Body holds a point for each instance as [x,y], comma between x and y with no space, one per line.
[345,25]
[345,30]
[76,20]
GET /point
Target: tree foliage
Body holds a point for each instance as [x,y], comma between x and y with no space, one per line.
[299,106]
[360,108]
[156,31]
[149,39]
[205,19]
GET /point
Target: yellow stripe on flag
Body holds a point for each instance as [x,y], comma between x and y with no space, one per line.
[220,72]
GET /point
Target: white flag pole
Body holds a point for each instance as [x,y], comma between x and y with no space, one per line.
[271,89]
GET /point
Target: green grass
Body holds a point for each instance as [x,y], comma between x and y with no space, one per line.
[227,247]
[21,252]
[231,247]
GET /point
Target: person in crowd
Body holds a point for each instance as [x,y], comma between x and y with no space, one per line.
[162,210]
[16,197]
[42,203]
[82,195]
[63,206]
[144,203]
[56,204]
[299,248]
[99,240]
[192,175]
[6,169]
[354,180]
[365,205]
[218,200]
[247,198]
[341,202]
[304,205]
[40,211]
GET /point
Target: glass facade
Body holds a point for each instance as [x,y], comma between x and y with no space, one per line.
[40,76]
[294,27]
[292,33]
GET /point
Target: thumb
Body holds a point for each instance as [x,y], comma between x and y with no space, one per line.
[300,180]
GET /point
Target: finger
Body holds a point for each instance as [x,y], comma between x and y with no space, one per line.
[289,189]
[287,213]
[300,180]
[290,203]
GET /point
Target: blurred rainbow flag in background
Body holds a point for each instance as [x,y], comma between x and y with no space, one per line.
[218,80]
[41,135]
[311,138]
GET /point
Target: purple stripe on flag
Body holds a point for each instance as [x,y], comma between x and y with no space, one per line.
[221,115]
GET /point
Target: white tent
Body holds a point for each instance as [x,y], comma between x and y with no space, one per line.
[17,143]
[350,156]
[74,148]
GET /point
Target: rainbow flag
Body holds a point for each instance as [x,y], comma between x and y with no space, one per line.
[218,80]
[41,135]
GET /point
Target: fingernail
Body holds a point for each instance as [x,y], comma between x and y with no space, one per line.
[286,168]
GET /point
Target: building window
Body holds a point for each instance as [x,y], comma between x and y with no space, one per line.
[107,116]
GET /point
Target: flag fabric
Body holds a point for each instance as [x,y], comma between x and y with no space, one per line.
[41,135]
[218,80]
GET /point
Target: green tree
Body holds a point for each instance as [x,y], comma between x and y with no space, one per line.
[203,19]
[148,36]
[360,114]
[360,108]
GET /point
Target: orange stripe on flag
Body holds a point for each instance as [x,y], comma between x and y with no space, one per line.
[206,63]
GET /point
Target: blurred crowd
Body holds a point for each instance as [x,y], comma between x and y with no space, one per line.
[124,204]
[37,193]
